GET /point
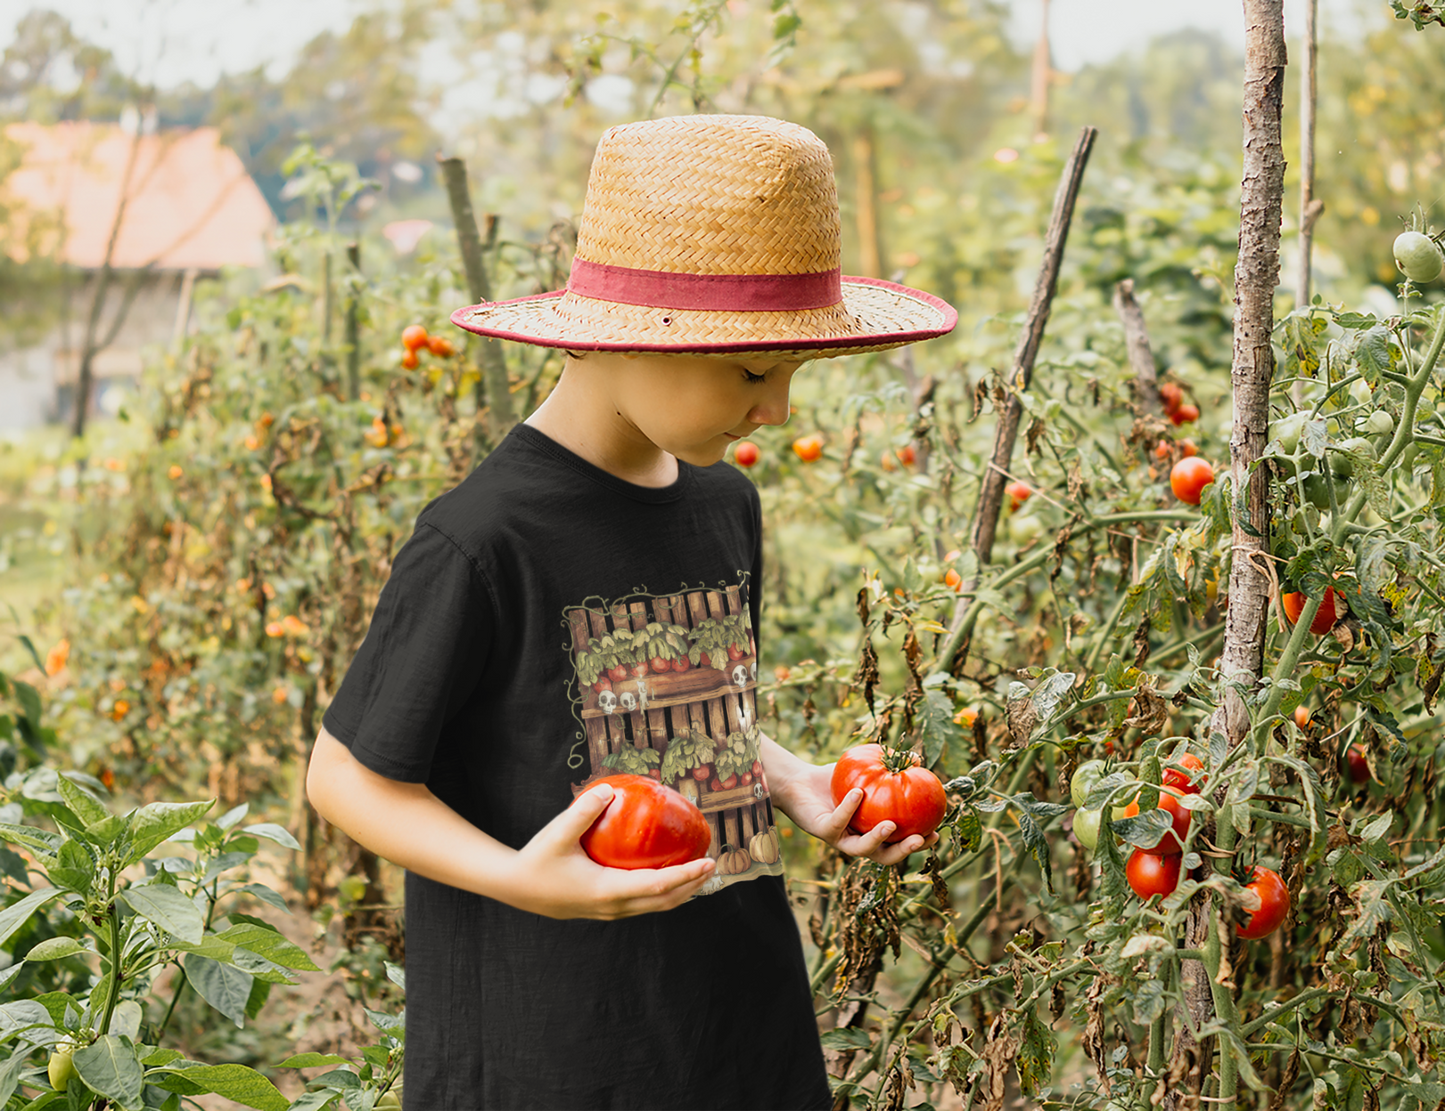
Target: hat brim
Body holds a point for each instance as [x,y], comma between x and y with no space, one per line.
[874,315]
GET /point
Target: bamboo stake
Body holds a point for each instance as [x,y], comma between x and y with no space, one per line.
[493,388]
[1309,207]
[1256,274]
[1141,355]
[353,324]
[990,496]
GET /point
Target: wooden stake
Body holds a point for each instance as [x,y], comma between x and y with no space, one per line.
[1141,355]
[493,389]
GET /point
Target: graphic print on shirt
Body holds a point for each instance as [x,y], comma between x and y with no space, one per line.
[664,687]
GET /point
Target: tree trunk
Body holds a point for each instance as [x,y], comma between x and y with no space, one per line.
[1256,275]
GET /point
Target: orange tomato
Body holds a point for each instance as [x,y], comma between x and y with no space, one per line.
[952,579]
[1185,414]
[1302,716]
[1018,492]
[441,347]
[1189,477]
[1293,604]
[413,336]
[1172,394]
[409,360]
[808,448]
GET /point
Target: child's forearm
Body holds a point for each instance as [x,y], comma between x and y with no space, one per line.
[793,782]
[405,823]
[550,875]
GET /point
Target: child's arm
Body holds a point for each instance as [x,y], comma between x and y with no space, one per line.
[804,792]
[550,875]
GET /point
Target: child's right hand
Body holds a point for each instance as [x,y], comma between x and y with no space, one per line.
[555,877]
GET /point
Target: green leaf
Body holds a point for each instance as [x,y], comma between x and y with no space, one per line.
[111,1066]
[40,839]
[935,725]
[312,1060]
[55,949]
[152,824]
[236,1082]
[87,809]
[1036,843]
[17,914]
[167,908]
[273,832]
[316,1101]
[223,986]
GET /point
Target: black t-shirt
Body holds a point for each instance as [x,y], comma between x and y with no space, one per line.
[547,624]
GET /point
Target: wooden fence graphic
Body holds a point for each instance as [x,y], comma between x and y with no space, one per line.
[703,702]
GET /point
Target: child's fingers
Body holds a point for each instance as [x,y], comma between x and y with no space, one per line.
[645,890]
[568,827]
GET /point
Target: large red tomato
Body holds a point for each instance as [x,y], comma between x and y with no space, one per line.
[646,825]
[1152,873]
[904,793]
[1273,900]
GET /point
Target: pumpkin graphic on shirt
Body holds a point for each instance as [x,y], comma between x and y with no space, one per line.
[664,685]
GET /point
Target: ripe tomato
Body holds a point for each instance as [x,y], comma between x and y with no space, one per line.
[1173,839]
[1185,414]
[682,663]
[1018,492]
[911,797]
[1302,716]
[1293,604]
[953,580]
[906,455]
[1188,448]
[660,665]
[1357,763]
[413,336]
[808,448]
[701,774]
[746,453]
[440,346]
[1190,779]
[646,825]
[409,359]
[1274,904]
[1189,477]
[1151,873]
[1172,395]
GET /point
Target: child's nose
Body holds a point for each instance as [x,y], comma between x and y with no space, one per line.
[774,408]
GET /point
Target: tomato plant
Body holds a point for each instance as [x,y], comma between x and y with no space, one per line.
[646,825]
[896,788]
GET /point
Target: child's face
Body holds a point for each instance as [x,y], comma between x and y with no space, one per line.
[695,406]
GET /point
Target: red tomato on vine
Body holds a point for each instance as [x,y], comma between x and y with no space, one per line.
[1293,604]
[1150,873]
[1189,477]
[896,788]
[1273,903]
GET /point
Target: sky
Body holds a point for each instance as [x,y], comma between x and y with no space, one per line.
[172,41]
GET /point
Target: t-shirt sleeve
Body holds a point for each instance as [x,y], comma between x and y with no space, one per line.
[420,661]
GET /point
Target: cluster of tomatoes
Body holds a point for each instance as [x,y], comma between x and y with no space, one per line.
[1156,871]
[1178,410]
[414,339]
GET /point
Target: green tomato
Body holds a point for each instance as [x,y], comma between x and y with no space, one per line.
[1288,430]
[1025,528]
[1379,423]
[1418,256]
[61,1067]
[1360,392]
[1085,776]
[1086,827]
[1341,465]
[1317,491]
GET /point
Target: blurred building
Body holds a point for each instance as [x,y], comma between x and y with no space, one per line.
[164,208]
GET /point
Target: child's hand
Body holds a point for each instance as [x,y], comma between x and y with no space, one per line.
[555,876]
[813,811]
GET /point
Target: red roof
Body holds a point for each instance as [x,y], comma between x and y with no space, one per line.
[191,202]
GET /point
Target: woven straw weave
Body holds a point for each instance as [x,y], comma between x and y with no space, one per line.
[715,195]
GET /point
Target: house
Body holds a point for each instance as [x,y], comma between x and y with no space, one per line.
[167,207]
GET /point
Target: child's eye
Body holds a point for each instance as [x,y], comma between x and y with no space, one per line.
[754,379]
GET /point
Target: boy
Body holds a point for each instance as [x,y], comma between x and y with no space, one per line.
[587,602]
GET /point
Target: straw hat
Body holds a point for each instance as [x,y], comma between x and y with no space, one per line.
[713,235]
